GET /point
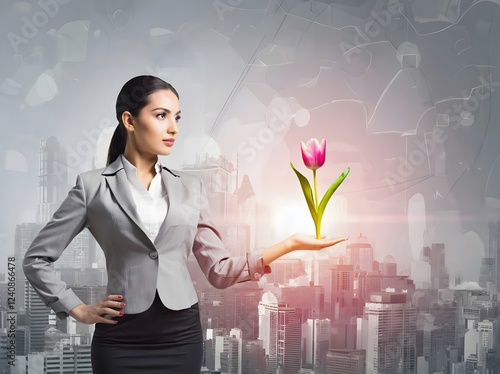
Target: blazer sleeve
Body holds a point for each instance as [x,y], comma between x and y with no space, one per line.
[221,269]
[38,263]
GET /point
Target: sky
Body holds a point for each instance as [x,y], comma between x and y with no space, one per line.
[405,94]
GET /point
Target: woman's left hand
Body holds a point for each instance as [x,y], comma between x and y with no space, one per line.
[309,242]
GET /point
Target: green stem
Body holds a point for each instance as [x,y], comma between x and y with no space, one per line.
[316,204]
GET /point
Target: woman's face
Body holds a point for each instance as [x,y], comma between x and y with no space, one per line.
[155,127]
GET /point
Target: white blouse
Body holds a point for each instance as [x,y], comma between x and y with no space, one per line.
[151,204]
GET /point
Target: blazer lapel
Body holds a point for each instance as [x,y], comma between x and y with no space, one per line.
[173,186]
[118,184]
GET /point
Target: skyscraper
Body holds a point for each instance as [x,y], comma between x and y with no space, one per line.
[435,255]
[494,248]
[73,358]
[345,361]
[343,307]
[360,254]
[53,175]
[231,356]
[253,357]
[240,308]
[315,343]
[280,332]
[38,318]
[389,334]
[25,234]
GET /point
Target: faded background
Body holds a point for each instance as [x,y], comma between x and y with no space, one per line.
[404,92]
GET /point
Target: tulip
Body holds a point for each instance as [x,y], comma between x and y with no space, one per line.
[313,155]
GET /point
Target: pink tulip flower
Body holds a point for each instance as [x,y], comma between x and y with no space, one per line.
[313,153]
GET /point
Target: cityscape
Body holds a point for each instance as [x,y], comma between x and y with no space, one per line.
[345,313]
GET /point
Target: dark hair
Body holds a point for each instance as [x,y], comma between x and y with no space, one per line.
[133,96]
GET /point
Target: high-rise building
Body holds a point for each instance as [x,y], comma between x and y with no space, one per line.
[22,340]
[247,208]
[388,267]
[308,301]
[315,343]
[38,318]
[388,334]
[360,254]
[487,272]
[4,351]
[254,360]
[213,347]
[24,236]
[376,282]
[73,358]
[321,270]
[53,178]
[345,361]
[240,308]
[232,354]
[212,314]
[53,189]
[430,345]
[465,296]
[478,341]
[343,307]
[494,247]
[280,332]
[435,255]
[342,292]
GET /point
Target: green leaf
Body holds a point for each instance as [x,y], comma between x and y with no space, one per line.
[329,193]
[308,194]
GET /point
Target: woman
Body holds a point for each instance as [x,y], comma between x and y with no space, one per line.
[147,219]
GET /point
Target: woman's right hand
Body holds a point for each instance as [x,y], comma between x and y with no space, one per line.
[94,313]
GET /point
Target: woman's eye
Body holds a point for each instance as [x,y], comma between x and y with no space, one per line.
[161,115]
[178,118]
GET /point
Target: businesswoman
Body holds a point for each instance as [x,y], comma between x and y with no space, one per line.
[147,219]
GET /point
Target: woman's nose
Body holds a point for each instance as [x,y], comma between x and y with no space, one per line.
[172,127]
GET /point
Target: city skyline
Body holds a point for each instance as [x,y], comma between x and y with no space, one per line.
[327,299]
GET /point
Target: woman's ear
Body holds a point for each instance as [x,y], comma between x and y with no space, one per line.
[128,121]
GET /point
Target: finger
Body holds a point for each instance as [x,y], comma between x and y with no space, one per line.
[338,240]
[114,304]
[100,319]
[111,311]
[114,297]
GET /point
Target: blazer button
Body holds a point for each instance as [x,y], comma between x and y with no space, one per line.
[257,275]
[153,255]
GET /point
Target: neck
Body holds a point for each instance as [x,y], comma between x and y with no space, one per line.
[144,162]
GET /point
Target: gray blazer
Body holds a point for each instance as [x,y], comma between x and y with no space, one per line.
[102,202]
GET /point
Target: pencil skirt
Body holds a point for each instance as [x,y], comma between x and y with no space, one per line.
[156,341]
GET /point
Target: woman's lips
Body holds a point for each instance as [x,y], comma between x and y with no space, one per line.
[169,142]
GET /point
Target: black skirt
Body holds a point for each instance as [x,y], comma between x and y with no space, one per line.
[156,341]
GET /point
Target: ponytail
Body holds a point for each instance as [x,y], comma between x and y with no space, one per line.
[117,144]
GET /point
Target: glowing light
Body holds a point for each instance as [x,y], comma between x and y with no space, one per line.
[291,218]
